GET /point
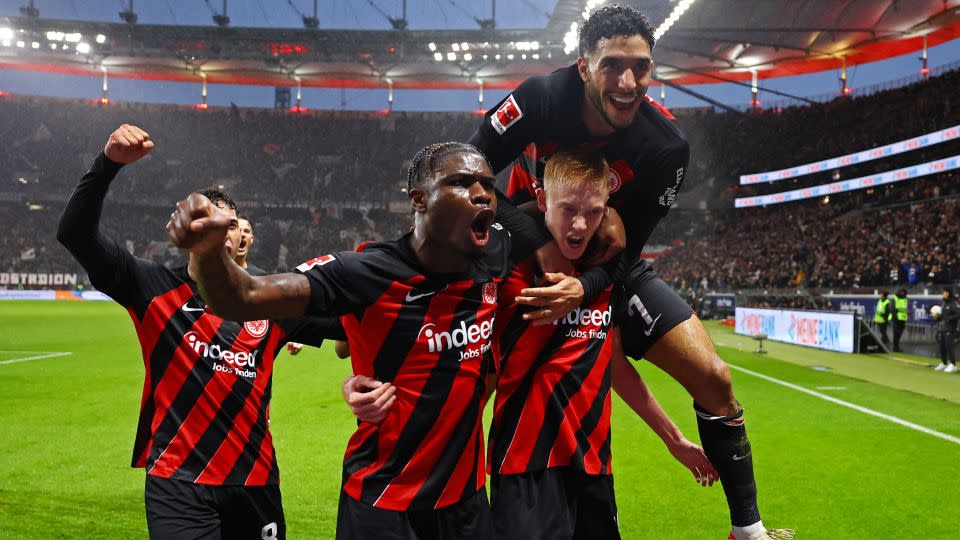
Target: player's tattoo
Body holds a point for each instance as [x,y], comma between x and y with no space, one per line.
[288,286]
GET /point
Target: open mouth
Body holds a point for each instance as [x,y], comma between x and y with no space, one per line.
[574,241]
[243,244]
[623,103]
[480,227]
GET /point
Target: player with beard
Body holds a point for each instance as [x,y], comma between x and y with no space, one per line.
[419,312]
[601,100]
[203,434]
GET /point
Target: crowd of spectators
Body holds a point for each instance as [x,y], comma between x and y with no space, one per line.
[894,235]
[326,180]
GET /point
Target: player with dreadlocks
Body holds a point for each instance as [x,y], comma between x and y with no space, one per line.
[419,312]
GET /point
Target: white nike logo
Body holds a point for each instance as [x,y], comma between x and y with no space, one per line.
[738,458]
[649,329]
[411,297]
[186,308]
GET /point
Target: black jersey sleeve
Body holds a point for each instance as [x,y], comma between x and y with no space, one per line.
[339,282]
[597,278]
[528,233]
[641,213]
[504,132]
[312,330]
[512,124]
[111,268]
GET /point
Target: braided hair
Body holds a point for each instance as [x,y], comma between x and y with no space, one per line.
[422,167]
[219,198]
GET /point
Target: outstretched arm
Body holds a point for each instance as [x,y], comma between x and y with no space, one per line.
[79,228]
[227,288]
[631,388]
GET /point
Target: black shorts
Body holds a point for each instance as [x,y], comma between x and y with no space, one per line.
[179,510]
[555,504]
[647,308]
[468,519]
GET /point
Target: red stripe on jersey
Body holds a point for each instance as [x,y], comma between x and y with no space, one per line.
[531,419]
[578,349]
[158,313]
[140,457]
[406,485]
[375,326]
[264,465]
[409,381]
[600,435]
[663,110]
[232,446]
[566,444]
[390,428]
[149,330]
[521,181]
[196,423]
[472,458]
[181,362]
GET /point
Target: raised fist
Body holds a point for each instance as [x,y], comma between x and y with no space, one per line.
[128,144]
[197,226]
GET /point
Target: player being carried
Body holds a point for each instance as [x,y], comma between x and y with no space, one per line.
[202,435]
[418,311]
[601,100]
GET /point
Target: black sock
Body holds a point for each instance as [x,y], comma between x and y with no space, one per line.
[725,442]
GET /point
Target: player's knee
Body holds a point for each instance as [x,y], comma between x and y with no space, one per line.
[720,382]
[720,375]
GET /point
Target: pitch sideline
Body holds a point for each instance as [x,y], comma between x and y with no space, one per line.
[864,410]
[38,355]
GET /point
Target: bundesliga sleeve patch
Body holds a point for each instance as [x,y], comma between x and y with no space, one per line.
[319,261]
[507,115]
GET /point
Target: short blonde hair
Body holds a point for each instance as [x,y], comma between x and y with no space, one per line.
[580,167]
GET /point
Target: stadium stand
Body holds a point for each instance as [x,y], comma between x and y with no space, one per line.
[308,191]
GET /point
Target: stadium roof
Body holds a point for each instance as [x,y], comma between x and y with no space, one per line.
[714,40]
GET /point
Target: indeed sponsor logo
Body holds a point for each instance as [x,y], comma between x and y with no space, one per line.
[460,336]
[586,317]
[236,359]
[589,334]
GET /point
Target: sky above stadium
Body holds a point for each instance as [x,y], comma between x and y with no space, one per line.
[373,14]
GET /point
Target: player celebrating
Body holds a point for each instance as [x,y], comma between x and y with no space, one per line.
[202,435]
[550,439]
[245,227]
[423,319]
[246,242]
[602,100]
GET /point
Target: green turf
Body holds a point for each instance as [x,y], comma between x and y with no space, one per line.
[828,471]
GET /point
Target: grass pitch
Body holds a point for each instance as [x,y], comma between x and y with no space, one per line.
[71,375]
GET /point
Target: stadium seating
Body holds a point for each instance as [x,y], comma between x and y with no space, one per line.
[308,191]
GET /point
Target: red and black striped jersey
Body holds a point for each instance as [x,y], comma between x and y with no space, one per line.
[552,406]
[648,159]
[431,336]
[206,393]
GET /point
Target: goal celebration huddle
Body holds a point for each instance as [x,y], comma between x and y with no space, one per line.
[535,300]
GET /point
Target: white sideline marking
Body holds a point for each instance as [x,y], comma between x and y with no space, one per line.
[864,410]
[831,388]
[39,355]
